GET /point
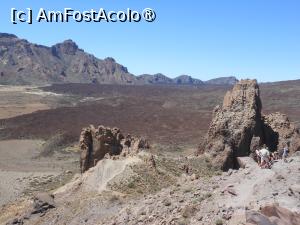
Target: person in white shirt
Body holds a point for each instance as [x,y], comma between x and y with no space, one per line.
[264,156]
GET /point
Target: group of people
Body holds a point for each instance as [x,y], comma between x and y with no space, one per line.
[266,158]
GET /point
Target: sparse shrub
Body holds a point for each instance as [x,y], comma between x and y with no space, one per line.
[207,195]
[219,222]
[166,202]
[188,211]
[195,201]
[183,221]
[200,199]
[55,143]
[131,184]
[114,198]
[187,190]
[207,160]
[176,188]
[218,172]
[215,187]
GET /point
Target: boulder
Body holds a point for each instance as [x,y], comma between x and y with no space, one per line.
[273,215]
[256,218]
[285,216]
[96,143]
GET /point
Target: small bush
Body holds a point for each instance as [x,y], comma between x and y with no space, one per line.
[55,143]
[183,221]
[200,199]
[219,222]
[114,198]
[188,211]
[166,202]
[207,195]
[187,190]
[131,184]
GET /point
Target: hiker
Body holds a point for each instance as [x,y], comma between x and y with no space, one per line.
[285,153]
[271,157]
[274,156]
[264,157]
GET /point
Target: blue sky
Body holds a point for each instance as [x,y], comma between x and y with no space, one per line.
[205,39]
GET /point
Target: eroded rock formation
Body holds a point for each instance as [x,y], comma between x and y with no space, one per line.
[234,124]
[285,132]
[95,143]
[238,127]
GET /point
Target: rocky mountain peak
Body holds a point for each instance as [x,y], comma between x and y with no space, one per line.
[186,79]
[67,47]
[22,62]
[110,59]
[244,95]
[231,80]
[6,35]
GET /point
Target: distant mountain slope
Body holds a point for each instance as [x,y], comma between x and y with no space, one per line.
[185,79]
[154,79]
[24,63]
[162,79]
[222,81]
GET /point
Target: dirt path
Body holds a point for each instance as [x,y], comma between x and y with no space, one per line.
[246,186]
[253,187]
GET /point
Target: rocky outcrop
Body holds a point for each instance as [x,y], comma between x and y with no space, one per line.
[95,143]
[234,124]
[68,47]
[41,204]
[273,215]
[286,134]
[238,128]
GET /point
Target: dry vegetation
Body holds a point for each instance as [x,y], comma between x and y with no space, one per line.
[169,115]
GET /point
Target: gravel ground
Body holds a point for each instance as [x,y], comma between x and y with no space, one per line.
[22,173]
